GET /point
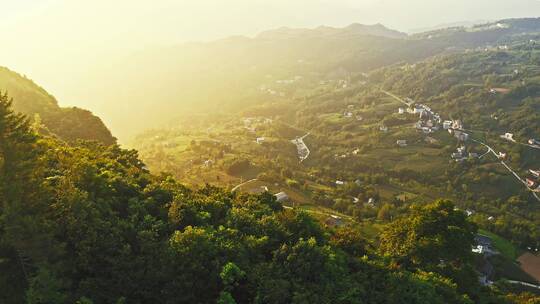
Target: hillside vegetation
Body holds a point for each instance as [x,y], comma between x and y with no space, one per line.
[355,168]
[88,224]
[69,124]
[197,77]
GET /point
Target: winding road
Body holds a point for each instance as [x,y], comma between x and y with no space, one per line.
[490,149]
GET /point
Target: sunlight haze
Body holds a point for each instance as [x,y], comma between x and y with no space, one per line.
[62,44]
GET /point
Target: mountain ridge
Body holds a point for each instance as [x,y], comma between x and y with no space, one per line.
[377,30]
[68,123]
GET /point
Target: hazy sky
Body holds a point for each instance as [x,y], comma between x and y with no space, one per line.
[57,42]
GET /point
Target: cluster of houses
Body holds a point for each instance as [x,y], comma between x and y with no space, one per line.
[303,150]
[483,246]
[349,113]
[250,123]
[533,182]
[461,154]
[429,121]
[455,127]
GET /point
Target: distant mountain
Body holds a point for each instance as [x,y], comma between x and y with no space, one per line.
[228,73]
[354,29]
[449,25]
[484,33]
[68,124]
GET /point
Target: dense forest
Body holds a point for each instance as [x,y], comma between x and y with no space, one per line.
[87,223]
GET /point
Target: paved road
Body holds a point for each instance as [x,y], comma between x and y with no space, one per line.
[322,213]
[397,98]
[244,183]
[524,284]
[532,146]
[490,149]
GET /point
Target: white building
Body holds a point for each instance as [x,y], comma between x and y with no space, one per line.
[508,136]
[281,197]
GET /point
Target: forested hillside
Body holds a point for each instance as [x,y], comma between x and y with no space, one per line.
[458,126]
[196,77]
[87,223]
[68,124]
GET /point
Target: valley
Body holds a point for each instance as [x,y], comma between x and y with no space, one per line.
[303,165]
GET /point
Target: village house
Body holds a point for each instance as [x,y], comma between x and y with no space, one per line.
[483,244]
[340,183]
[208,163]
[401,142]
[502,155]
[535,173]
[457,124]
[359,117]
[461,136]
[533,141]
[499,90]
[334,221]
[260,140]
[508,136]
[447,124]
[530,183]
[281,197]
[383,128]
[401,110]
[460,155]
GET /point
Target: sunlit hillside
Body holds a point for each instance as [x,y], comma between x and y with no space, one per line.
[270,152]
